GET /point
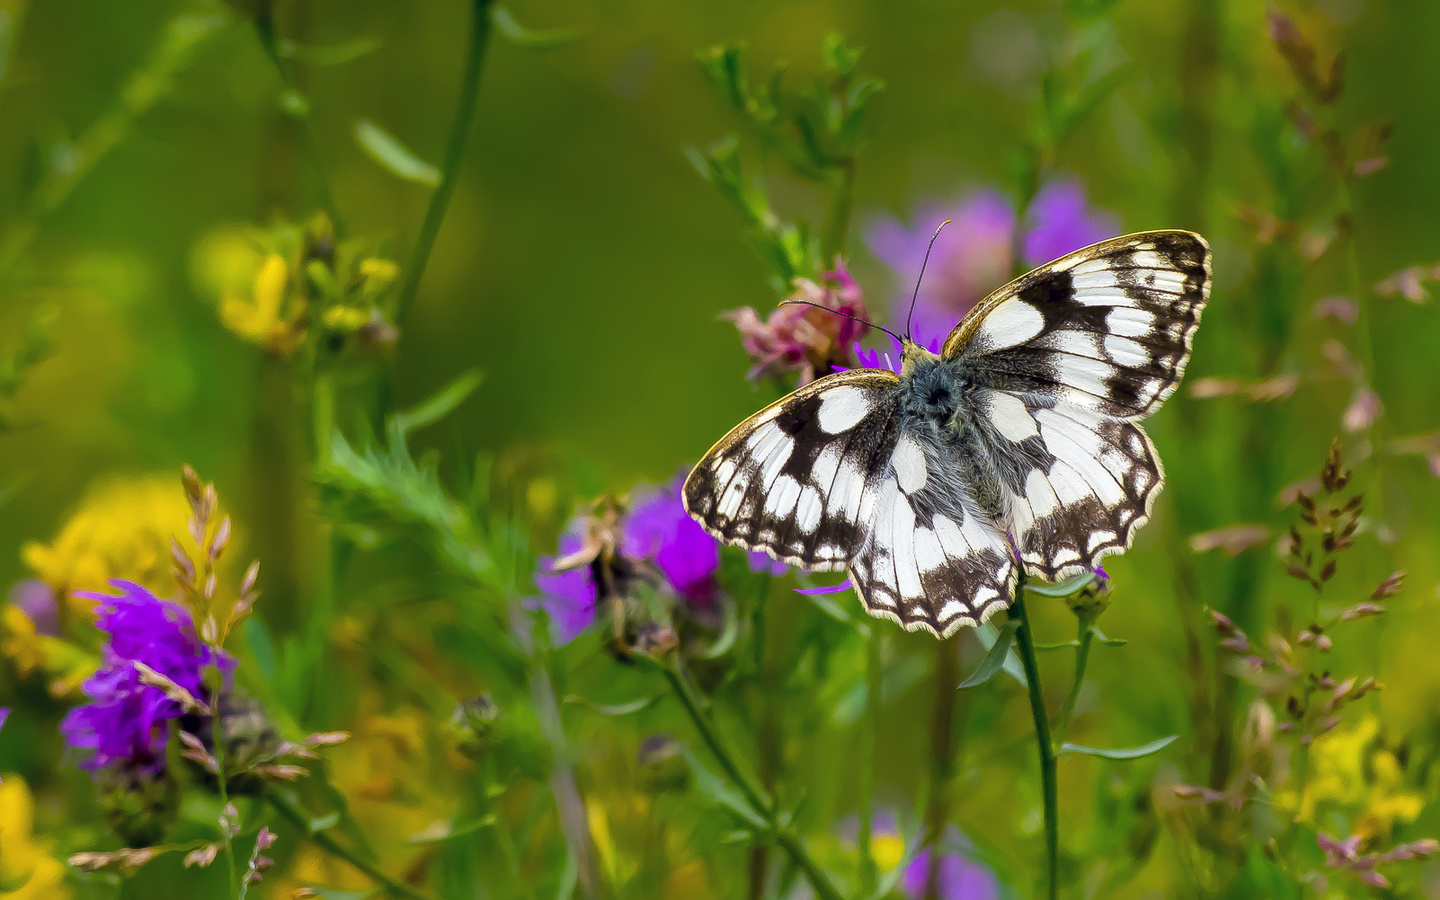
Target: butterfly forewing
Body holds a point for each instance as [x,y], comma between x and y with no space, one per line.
[790,479]
[1107,327]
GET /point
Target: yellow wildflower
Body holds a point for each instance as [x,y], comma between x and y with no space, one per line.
[887,849]
[65,665]
[1351,769]
[345,319]
[27,871]
[378,273]
[122,530]
[259,318]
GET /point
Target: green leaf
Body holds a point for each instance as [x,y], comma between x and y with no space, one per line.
[995,659]
[988,634]
[387,150]
[531,38]
[1124,752]
[1060,588]
[613,709]
[1107,641]
[262,649]
[718,791]
[331,55]
[729,630]
[428,836]
[440,404]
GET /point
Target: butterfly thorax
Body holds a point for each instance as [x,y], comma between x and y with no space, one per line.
[932,390]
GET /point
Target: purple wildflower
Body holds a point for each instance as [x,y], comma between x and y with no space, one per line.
[124,722]
[761,562]
[655,535]
[568,597]
[658,529]
[1059,223]
[805,339]
[974,254]
[959,878]
[36,600]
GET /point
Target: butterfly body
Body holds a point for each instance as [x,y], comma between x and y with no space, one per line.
[1017,445]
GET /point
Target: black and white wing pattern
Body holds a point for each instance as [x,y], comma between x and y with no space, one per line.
[1068,359]
[827,478]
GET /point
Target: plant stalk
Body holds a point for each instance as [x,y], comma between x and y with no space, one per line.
[1025,639]
[869,741]
[759,800]
[325,842]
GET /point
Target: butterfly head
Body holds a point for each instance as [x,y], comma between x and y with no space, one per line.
[913,355]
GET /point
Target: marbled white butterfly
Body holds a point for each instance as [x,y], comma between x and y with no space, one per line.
[1020,442]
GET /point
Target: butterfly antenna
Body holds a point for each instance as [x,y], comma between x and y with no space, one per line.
[915,295]
[841,314]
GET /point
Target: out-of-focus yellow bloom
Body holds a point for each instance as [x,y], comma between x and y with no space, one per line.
[1350,769]
[345,318]
[122,530]
[887,850]
[64,665]
[27,871]
[260,317]
[378,274]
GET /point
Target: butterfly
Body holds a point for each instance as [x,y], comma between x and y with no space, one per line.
[1019,444]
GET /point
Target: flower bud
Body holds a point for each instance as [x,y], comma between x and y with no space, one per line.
[472,725]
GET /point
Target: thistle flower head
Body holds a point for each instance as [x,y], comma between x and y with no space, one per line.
[805,339]
[124,723]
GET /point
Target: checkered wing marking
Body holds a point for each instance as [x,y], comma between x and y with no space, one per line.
[1077,486]
[931,560]
[790,479]
[1106,328]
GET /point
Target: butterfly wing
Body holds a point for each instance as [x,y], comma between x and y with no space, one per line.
[827,478]
[790,479]
[1069,358]
[931,560]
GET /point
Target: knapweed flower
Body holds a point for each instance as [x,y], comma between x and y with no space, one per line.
[121,530]
[124,724]
[975,253]
[804,339]
[659,530]
[601,552]
[27,870]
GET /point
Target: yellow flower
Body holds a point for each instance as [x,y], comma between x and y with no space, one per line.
[122,530]
[259,318]
[27,871]
[345,319]
[64,664]
[378,273]
[1351,769]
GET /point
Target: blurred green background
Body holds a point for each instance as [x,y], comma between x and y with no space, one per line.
[583,264]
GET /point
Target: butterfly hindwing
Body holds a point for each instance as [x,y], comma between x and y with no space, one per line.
[789,480]
[1108,327]
[930,558]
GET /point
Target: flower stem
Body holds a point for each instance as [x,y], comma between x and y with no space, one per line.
[325,842]
[454,153]
[837,225]
[224,789]
[759,800]
[1082,658]
[942,753]
[298,109]
[869,739]
[1025,640]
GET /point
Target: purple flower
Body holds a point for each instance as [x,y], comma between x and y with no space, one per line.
[974,254]
[36,600]
[654,534]
[971,258]
[761,562]
[658,529]
[568,597]
[1059,223]
[959,878]
[124,722]
[804,339]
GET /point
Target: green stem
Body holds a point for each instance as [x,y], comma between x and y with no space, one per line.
[764,806]
[942,754]
[1082,658]
[224,789]
[454,153]
[837,226]
[325,842]
[297,107]
[1025,639]
[869,739]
